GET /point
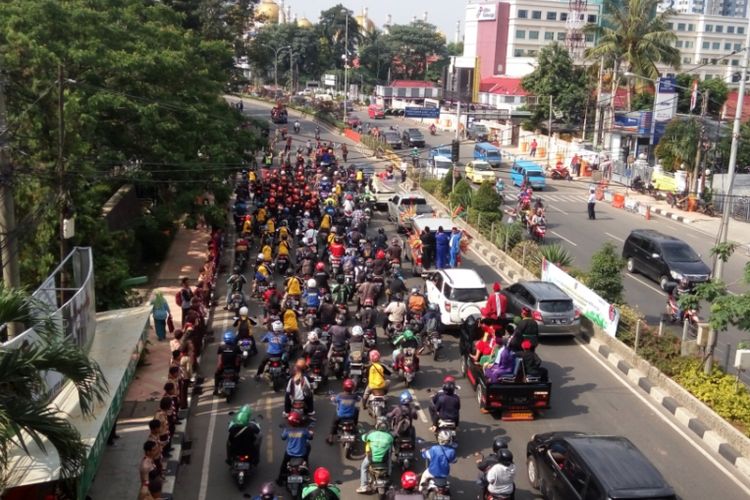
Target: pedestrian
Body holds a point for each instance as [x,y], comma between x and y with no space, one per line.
[455,246]
[184,296]
[442,248]
[532,148]
[161,314]
[428,248]
[592,203]
[575,164]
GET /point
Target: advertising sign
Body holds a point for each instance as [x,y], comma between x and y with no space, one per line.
[635,122]
[413,112]
[486,12]
[666,99]
[599,311]
[329,80]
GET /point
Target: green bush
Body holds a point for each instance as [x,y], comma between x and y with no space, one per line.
[605,276]
[528,255]
[486,198]
[447,183]
[507,236]
[461,195]
[557,254]
[432,186]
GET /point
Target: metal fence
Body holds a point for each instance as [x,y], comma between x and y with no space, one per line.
[739,206]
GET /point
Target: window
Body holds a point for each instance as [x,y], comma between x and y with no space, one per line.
[704,60]
[727,46]
[735,62]
[709,28]
[523,14]
[563,16]
[593,492]
[549,35]
[737,47]
[687,60]
[536,14]
[716,46]
[691,27]
[521,34]
[680,26]
[678,44]
[670,26]
[719,28]
[551,16]
[589,37]
[740,30]
[509,99]
[591,18]
[531,53]
[689,44]
[730,29]
[533,35]
[714,61]
[706,45]
[575,474]
[724,62]
[518,53]
[560,36]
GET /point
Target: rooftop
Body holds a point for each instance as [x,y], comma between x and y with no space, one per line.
[502,85]
[411,83]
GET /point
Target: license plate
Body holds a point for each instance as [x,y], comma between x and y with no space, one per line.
[347,438]
[229,385]
[294,479]
[405,454]
[442,497]
[275,371]
[242,466]
[317,378]
[355,372]
[380,483]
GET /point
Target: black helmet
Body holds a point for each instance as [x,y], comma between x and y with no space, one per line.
[505,456]
[381,230]
[499,443]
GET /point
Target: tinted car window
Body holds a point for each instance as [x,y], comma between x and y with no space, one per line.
[575,474]
[593,492]
[535,173]
[678,252]
[468,294]
[437,279]
[555,306]
[414,201]
[447,290]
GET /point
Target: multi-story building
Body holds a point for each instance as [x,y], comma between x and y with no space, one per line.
[732,8]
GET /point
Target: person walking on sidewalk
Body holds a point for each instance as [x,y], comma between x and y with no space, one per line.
[160,312]
[592,204]
[532,148]
[184,298]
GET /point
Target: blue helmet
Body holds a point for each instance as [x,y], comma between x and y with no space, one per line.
[228,338]
[405,398]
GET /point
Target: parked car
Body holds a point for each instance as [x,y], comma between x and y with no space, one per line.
[663,258]
[479,171]
[412,137]
[392,139]
[578,465]
[551,308]
[459,293]
[478,132]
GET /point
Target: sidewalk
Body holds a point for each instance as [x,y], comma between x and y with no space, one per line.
[119,468]
[634,201]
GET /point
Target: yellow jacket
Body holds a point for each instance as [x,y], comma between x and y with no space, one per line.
[376,376]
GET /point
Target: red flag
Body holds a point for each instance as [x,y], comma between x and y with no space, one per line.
[694,96]
[355,62]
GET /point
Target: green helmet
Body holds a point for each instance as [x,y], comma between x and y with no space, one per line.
[407,334]
[242,417]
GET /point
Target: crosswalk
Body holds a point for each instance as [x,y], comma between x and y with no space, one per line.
[511,195]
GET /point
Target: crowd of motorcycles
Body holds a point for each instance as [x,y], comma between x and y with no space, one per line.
[305,255]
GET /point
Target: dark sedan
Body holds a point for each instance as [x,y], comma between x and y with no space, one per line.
[412,137]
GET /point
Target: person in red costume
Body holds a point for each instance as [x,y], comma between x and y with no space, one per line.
[497,305]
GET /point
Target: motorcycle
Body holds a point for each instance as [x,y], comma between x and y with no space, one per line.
[538,232]
[236,301]
[316,376]
[447,428]
[403,452]
[296,128]
[379,478]
[276,372]
[346,434]
[370,338]
[394,330]
[228,384]
[438,488]
[247,349]
[311,315]
[433,130]
[335,265]
[408,365]
[376,404]
[282,264]
[297,474]
[342,314]
[432,343]
[560,172]
[336,361]
[240,469]
[355,367]
[675,314]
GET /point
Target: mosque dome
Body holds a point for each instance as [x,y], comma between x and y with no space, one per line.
[304,23]
[365,23]
[267,11]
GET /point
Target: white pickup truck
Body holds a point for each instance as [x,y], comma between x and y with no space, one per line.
[403,207]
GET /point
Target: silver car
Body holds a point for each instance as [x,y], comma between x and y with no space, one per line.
[552,308]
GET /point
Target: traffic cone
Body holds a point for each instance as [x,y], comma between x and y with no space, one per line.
[648,212]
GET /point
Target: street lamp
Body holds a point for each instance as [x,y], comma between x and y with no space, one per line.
[345,56]
[276,66]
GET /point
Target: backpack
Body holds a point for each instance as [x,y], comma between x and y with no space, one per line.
[403,424]
[178,297]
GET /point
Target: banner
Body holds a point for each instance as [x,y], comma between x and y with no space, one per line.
[599,311]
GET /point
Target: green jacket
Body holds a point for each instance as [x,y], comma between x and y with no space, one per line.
[312,492]
[378,444]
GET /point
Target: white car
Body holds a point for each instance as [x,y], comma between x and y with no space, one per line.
[440,166]
[459,293]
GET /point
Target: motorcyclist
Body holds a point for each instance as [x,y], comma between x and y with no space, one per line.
[291,325]
[311,297]
[394,251]
[262,272]
[321,276]
[346,408]
[401,417]
[439,458]
[229,356]
[499,185]
[272,298]
[417,304]
[404,340]
[292,286]
[397,286]
[395,312]
[296,126]
[446,404]
[244,325]
[381,240]
[484,464]
[378,444]
[409,490]
[339,337]
[243,436]
[276,341]
[322,489]
[298,438]
[367,293]
[235,282]
[327,311]
[299,389]
[314,350]
[267,492]
[537,220]
[376,377]
[501,476]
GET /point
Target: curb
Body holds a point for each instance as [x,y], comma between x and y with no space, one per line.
[671,215]
[663,396]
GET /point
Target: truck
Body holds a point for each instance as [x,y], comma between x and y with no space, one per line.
[414,244]
[405,206]
[516,397]
[384,186]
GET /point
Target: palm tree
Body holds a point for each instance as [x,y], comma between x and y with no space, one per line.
[25,413]
[634,38]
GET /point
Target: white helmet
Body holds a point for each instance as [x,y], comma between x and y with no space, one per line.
[260,256]
[311,283]
[357,331]
[306,214]
[277,326]
[443,437]
[243,311]
[312,337]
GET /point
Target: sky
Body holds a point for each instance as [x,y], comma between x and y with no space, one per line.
[442,13]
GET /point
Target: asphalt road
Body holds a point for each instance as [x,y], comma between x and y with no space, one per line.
[587,396]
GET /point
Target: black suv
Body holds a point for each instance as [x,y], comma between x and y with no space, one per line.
[412,137]
[578,465]
[665,259]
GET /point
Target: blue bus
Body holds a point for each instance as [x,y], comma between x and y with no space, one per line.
[487,152]
[527,170]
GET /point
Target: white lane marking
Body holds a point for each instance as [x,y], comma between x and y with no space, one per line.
[615,237]
[557,210]
[420,412]
[657,410]
[564,238]
[269,440]
[645,283]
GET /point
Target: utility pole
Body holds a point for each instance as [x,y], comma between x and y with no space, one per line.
[697,169]
[8,241]
[346,63]
[60,157]
[549,132]
[724,227]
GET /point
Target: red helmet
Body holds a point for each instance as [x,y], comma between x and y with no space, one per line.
[294,419]
[348,385]
[374,356]
[449,379]
[320,266]
[271,201]
[322,477]
[408,480]
[380,254]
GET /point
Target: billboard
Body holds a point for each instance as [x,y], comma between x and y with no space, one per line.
[414,112]
[486,12]
[665,105]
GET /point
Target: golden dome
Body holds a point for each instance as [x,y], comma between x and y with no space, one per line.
[304,23]
[365,23]
[267,11]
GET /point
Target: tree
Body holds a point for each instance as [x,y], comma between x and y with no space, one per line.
[447,182]
[555,75]
[462,195]
[375,56]
[605,275]
[415,47]
[25,411]
[332,32]
[634,37]
[679,144]
[743,151]
[486,199]
[718,91]
[304,56]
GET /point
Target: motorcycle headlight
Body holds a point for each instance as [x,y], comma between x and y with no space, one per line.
[676,275]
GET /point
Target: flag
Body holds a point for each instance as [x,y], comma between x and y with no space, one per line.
[694,96]
[355,62]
